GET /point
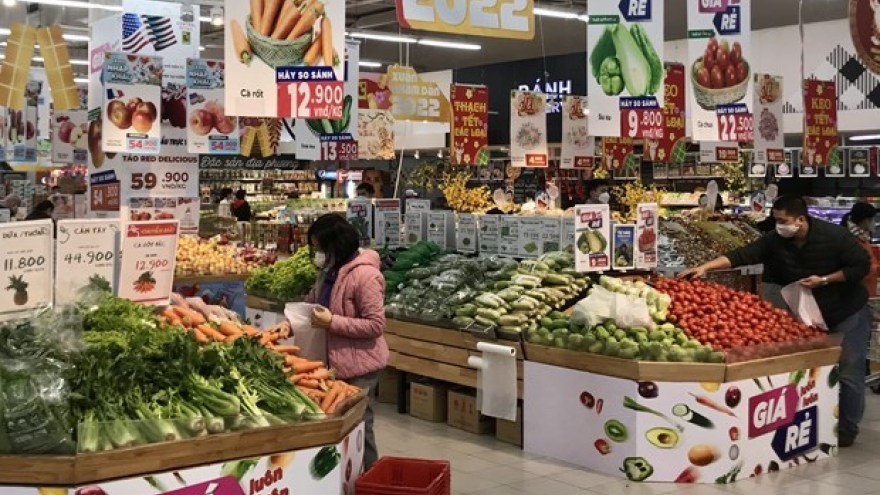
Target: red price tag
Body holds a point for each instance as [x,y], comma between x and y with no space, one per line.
[536,160]
[727,155]
[736,127]
[311,99]
[642,123]
[583,162]
[105,197]
[775,155]
[345,151]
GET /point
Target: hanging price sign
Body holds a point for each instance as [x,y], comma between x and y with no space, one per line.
[641,119]
[147,269]
[86,257]
[26,265]
[339,148]
[309,93]
[735,123]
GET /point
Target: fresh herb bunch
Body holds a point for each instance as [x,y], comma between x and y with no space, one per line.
[286,280]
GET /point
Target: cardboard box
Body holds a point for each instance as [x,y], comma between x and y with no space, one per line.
[510,431]
[428,401]
[387,387]
[463,413]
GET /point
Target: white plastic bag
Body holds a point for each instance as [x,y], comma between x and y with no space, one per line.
[803,305]
[630,311]
[311,341]
[603,304]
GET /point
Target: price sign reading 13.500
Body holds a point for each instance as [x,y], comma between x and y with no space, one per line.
[492,18]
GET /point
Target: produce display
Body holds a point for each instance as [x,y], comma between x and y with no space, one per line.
[690,243]
[419,255]
[286,280]
[218,256]
[741,324]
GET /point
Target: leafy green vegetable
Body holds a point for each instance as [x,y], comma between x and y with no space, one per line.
[644,42]
[285,280]
[604,49]
[633,64]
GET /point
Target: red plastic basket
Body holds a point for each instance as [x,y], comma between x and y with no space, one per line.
[402,476]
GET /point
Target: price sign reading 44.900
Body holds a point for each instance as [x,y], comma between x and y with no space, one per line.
[309,93]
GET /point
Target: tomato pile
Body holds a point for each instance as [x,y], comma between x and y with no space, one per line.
[727,319]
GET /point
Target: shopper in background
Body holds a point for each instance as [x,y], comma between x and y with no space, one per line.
[223,208]
[240,208]
[43,211]
[828,260]
[860,221]
[350,295]
[11,202]
[365,191]
[598,192]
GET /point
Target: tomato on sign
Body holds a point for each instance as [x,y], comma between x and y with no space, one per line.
[492,18]
[735,123]
[641,118]
[309,93]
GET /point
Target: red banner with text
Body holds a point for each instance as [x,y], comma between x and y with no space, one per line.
[820,123]
[672,148]
[470,125]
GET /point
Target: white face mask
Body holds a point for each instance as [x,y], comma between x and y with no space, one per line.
[787,231]
[604,198]
[320,259]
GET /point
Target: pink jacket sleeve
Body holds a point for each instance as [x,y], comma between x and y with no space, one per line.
[370,301]
[311,298]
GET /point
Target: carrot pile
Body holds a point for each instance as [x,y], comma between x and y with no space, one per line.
[214,324]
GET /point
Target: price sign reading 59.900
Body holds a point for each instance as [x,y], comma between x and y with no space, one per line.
[309,93]
[492,18]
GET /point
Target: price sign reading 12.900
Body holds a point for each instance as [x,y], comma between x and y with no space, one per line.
[493,18]
[147,267]
[26,265]
[309,93]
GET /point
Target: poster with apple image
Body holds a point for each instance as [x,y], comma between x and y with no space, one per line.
[647,229]
[70,130]
[209,129]
[312,133]
[262,36]
[26,255]
[625,62]
[86,258]
[592,244]
[146,271]
[133,97]
[719,67]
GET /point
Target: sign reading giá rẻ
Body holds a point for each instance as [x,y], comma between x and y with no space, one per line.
[820,123]
[469,125]
[414,99]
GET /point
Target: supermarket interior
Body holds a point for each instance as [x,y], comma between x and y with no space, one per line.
[467,247]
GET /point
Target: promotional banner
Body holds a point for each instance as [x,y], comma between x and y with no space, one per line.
[359,213]
[785,168]
[86,258]
[718,152]
[466,238]
[333,140]
[496,19]
[820,125]
[672,148]
[104,192]
[387,217]
[625,80]
[376,135]
[469,129]
[209,129]
[834,167]
[647,217]
[168,29]
[528,129]
[147,267]
[578,146]
[26,265]
[615,152]
[859,162]
[133,90]
[414,99]
[624,240]
[592,238]
[770,136]
[719,35]
[186,210]
[297,46]
[70,132]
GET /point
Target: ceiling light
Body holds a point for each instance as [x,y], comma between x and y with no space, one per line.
[416,155]
[865,137]
[9,3]
[201,48]
[81,80]
[216,16]
[365,63]
[72,62]
[439,153]
[450,44]
[78,4]
[559,14]
[384,37]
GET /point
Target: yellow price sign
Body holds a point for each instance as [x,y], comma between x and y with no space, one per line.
[491,18]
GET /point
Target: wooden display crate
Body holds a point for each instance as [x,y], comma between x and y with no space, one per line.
[782,364]
[77,470]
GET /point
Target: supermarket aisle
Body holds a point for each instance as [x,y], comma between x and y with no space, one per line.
[484,466]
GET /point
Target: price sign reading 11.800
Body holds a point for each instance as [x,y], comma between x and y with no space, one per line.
[309,93]
[25,265]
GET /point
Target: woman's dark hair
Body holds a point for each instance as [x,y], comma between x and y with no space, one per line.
[225,193]
[335,237]
[240,194]
[860,212]
[596,184]
[43,209]
[366,188]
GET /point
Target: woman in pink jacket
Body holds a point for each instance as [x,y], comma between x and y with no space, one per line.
[350,294]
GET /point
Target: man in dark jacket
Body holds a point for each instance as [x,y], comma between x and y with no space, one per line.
[827,259]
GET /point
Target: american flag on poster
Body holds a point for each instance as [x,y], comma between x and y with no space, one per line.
[140,31]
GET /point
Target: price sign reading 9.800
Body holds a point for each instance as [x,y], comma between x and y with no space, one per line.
[494,18]
[643,123]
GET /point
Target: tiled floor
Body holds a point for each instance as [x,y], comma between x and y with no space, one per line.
[484,466]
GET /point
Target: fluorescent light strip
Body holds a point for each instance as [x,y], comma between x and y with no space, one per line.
[559,14]
[72,62]
[384,37]
[68,37]
[865,137]
[78,4]
[450,44]
[366,63]
[81,80]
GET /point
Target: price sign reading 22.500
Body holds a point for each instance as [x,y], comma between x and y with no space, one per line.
[492,18]
[309,93]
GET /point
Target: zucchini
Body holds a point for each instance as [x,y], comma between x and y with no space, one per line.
[489,314]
